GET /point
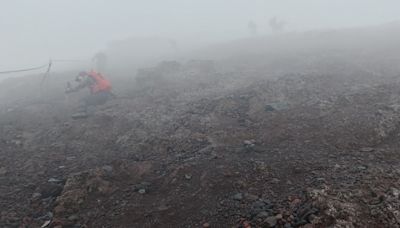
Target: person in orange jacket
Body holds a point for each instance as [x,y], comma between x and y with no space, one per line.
[100,90]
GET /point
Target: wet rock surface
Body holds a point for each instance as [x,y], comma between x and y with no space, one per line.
[217,150]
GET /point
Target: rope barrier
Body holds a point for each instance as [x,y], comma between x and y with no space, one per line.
[48,65]
[70,60]
[47,72]
[24,70]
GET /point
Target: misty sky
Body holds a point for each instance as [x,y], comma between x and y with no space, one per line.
[34,30]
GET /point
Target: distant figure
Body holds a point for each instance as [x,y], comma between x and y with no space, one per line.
[174,45]
[100,60]
[252,27]
[276,25]
[100,91]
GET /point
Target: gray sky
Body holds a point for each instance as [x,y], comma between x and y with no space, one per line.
[34,30]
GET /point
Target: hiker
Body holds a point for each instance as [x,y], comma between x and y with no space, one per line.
[100,60]
[100,90]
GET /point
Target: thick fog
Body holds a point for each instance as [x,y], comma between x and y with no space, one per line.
[34,31]
[200,113]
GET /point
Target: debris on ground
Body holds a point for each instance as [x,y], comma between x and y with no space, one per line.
[217,149]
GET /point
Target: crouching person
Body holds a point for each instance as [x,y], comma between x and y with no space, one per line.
[100,91]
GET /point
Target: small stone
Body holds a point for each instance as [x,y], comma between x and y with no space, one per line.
[259,204]
[249,143]
[142,191]
[162,208]
[188,177]
[142,185]
[312,218]
[107,168]
[367,149]
[50,214]
[361,167]
[70,158]
[251,197]
[246,224]
[320,180]
[271,221]
[279,216]
[46,224]
[238,196]
[54,180]
[204,212]
[3,171]
[263,214]
[395,192]
[36,195]
[275,180]
[73,218]
[206,225]
[17,142]
[79,115]
[296,201]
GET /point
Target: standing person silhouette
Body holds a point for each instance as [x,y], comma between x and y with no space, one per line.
[100,60]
